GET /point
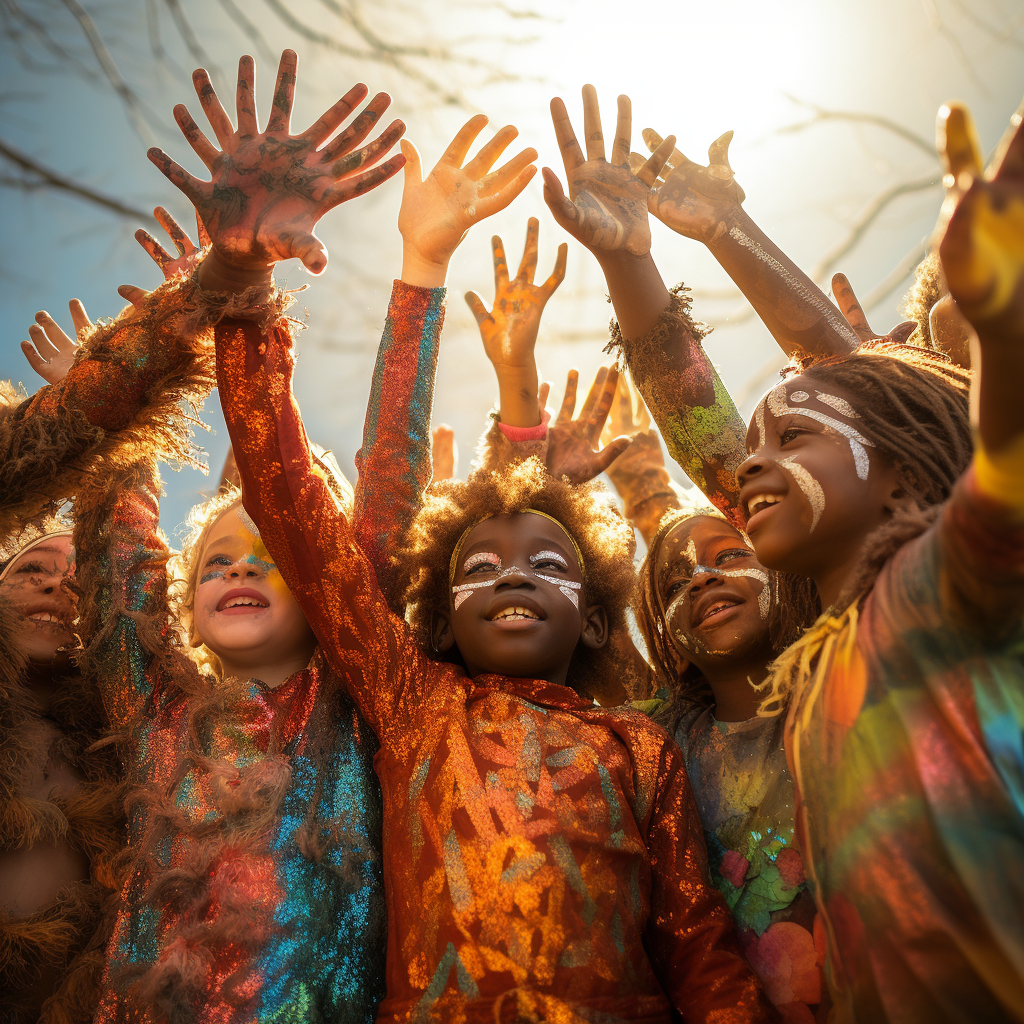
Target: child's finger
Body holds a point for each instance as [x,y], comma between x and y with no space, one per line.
[610,452]
[490,205]
[354,134]
[351,187]
[494,183]
[175,231]
[572,155]
[369,154]
[201,145]
[176,174]
[79,317]
[215,113]
[561,206]
[477,308]
[653,141]
[569,398]
[280,120]
[901,333]
[46,349]
[558,274]
[718,156]
[131,293]
[592,130]
[330,119]
[245,98]
[464,138]
[604,404]
[958,143]
[204,235]
[542,396]
[413,174]
[650,169]
[55,334]
[1009,157]
[528,264]
[35,360]
[310,250]
[500,265]
[490,151]
[623,132]
[848,305]
[157,253]
[595,389]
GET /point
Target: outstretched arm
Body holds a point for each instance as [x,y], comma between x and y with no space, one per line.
[705,203]
[606,210]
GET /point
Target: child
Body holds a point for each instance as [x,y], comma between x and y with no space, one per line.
[905,719]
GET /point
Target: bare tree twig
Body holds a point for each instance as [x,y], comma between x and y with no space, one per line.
[131,101]
[189,36]
[953,39]
[250,29]
[896,276]
[11,11]
[57,181]
[822,114]
[1004,35]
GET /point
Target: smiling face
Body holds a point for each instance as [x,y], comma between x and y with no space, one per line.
[243,611]
[714,595]
[32,584]
[814,486]
[517,600]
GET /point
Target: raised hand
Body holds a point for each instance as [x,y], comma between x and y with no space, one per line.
[572,443]
[606,209]
[442,452]
[438,210]
[694,200]
[855,316]
[509,330]
[269,188]
[189,254]
[628,415]
[51,352]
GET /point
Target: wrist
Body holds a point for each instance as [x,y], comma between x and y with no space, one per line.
[720,235]
[216,274]
[517,397]
[420,272]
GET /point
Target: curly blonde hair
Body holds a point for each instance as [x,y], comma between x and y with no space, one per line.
[929,286]
[586,511]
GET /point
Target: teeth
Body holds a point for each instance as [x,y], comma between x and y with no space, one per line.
[43,617]
[237,601]
[759,501]
[718,605]
[515,613]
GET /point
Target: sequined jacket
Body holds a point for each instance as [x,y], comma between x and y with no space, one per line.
[257,894]
[542,857]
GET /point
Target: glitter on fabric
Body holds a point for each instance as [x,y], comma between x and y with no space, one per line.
[812,489]
[903,736]
[495,913]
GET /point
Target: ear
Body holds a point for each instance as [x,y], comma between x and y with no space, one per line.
[442,638]
[895,497]
[595,626]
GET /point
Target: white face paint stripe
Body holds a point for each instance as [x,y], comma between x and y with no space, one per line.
[811,488]
[764,598]
[465,590]
[840,405]
[759,420]
[776,402]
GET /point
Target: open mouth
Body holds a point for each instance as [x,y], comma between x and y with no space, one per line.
[516,614]
[717,610]
[46,619]
[239,602]
[758,507]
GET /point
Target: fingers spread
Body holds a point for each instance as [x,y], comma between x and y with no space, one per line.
[572,155]
[323,127]
[561,207]
[280,121]
[592,124]
[489,152]
[848,305]
[477,308]
[201,145]
[360,184]
[651,168]
[79,317]
[46,349]
[604,403]
[221,124]
[592,395]
[528,264]
[487,206]
[558,274]
[176,174]
[623,132]
[464,138]
[176,232]
[507,172]
[369,155]
[569,398]
[35,360]
[245,98]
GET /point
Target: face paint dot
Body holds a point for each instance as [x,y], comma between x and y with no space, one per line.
[799,396]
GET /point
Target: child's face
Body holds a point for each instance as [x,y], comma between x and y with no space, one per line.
[517,603]
[33,587]
[813,486]
[243,610]
[714,594]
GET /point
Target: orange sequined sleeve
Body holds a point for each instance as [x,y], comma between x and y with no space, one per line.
[690,935]
[308,535]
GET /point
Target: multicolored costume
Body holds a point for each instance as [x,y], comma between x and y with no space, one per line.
[255,813]
[905,739]
[543,857]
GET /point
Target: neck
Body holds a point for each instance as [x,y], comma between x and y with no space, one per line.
[832,583]
[42,682]
[736,700]
[272,674]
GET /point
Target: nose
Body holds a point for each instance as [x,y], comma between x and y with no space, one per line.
[750,467]
[245,570]
[514,578]
[703,577]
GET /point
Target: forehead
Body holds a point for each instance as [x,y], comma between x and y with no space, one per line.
[694,535]
[522,532]
[801,393]
[58,548]
[229,529]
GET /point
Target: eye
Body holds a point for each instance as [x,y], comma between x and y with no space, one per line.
[791,434]
[218,560]
[481,562]
[727,556]
[31,567]
[675,585]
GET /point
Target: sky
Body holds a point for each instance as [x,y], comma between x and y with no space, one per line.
[693,70]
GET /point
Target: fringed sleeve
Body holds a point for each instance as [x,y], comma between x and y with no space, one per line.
[643,483]
[394,462]
[496,449]
[120,397]
[695,413]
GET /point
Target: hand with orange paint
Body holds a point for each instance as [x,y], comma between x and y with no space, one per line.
[438,210]
[270,188]
[509,329]
[573,450]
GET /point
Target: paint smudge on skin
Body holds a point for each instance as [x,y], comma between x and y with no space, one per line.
[776,401]
[811,488]
[814,298]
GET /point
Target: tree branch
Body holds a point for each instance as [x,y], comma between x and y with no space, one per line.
[52,179]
